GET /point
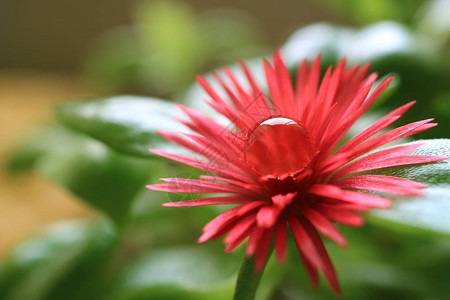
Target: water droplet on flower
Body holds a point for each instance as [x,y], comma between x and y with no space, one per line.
[279,146]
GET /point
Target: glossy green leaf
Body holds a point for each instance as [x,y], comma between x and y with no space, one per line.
[427,212]
[127,124]
[104,179]
[64,262]
[193,273]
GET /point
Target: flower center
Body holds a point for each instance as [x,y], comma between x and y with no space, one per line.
[279,147]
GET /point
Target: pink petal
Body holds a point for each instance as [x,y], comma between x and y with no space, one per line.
[340,159]
[313,274]
[284,84]
[245,185]
[201,186]
[263,249]
[378,126]
[381,183]
[280,240]
[283,200]
[272,82]
[327,265]
[331,191]
[201,165]
[304,242]
[219,225]
[373,164]
[342,216]
[253,241]
[249,207]
[208,201]
[239,232]
[268,215]
[324,226]
[387,137]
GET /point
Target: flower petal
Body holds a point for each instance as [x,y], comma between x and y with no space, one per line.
[280,240]
[324,226]
[381,183]
[208,201]
[332,191]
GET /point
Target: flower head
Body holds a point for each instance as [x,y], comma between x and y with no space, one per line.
[280,162]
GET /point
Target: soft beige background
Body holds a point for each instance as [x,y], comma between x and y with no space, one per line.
[29,202]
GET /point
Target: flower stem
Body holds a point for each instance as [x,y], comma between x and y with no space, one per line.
[248,280]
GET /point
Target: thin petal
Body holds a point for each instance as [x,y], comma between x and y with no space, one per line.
[332,191]
[381,183]
[205,166]
[263,249]
[268,215]
[304,242]
[253,241]
[372,164]
[239,232]
[283,200]
[280,240]
[219,225]
[327,265]
[208,201]
[324,226]
[378,126]
[343,216]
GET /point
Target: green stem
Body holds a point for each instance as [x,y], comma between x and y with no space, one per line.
[248,280]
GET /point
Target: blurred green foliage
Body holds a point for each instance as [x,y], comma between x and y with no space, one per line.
[84,166]
[371,11]
[144,251]
[168,44]
[64,262]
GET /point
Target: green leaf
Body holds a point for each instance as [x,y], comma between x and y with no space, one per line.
[104,179]
[64,262]
[193,273]
[427,212]
[127,124]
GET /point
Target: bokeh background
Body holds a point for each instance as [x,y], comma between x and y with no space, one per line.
[56,51]
[45,47]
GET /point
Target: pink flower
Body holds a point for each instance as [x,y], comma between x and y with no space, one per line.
[281,165]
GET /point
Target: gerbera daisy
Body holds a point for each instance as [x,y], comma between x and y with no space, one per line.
[281,164]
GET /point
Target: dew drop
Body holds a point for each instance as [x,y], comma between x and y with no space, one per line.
[279,146]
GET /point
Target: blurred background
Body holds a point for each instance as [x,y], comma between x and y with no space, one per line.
[54,51]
